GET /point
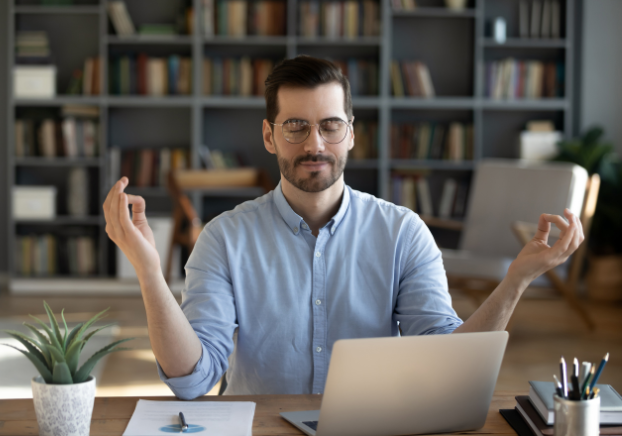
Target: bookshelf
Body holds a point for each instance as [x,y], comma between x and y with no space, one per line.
[455,45]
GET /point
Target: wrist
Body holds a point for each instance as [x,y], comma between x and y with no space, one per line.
[516,281]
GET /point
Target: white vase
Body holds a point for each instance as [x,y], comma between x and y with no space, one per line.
[63,410]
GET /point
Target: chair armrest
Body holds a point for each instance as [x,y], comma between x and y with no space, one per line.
[525,231]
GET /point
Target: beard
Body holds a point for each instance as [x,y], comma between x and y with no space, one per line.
[315,182]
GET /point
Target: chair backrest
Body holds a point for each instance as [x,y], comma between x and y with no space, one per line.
[505,191]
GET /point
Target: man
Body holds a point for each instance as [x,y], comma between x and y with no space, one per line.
[271,285]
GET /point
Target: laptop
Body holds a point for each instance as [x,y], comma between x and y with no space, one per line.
[407,385]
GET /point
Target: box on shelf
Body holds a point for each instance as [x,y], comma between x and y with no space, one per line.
[539,146]
[34,202]
[34,81]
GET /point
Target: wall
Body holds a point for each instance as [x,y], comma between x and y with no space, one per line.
[601,92]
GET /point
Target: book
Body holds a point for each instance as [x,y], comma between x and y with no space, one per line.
[523,19]
[540,428]
[545,25]
[555,19]
[425,198]
[121,21]
[536,13]
[541,396]
[447,199]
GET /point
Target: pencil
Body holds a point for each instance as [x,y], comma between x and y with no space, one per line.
[599,371]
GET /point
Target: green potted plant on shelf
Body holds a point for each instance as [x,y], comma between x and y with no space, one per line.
[604,275]
[64,393]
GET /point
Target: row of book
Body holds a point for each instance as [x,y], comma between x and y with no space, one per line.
[32,47]
[76,135]
[146,167]
[412,79]
[339,19]
[511,78]
[47,255]
[143,75]
[429,140]
[365,140]
[403,5]
[413,192]
[235,76]
[540,19]
[124,26]
[362,75]
[240,18]
[88,80]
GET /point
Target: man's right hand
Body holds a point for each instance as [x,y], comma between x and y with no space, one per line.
[133,235]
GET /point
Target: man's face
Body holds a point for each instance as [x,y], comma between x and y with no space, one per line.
[314,164]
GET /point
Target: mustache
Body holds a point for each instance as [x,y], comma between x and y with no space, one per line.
[315,158]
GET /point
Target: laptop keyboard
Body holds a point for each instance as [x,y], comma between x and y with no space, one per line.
[311,424]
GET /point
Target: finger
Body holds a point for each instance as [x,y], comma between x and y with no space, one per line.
[561,247]
[124,215]
[114,204]
[123,181]
[138,208]
[544,228]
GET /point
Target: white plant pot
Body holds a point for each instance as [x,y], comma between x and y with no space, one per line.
[63,409]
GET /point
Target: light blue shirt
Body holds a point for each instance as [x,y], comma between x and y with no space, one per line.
[268,300]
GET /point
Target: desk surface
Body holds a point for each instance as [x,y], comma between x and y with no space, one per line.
[111,414]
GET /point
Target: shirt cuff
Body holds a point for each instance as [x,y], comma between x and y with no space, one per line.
[186,381]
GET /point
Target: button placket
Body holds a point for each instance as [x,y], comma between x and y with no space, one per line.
[320,321]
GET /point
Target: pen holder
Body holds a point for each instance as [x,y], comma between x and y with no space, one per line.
[576,418]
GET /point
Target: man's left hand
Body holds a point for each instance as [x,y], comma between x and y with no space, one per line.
[537,256]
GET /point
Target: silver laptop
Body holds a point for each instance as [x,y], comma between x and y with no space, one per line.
[407,385]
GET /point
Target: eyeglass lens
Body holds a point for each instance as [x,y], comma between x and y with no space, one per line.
[333,131]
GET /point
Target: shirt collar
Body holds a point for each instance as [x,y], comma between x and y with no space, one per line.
[294,221]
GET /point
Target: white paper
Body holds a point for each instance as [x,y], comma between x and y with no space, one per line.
[223,418]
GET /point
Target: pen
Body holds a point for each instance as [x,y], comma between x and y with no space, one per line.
[595,393]
[599,371]
[586,382]
[558,387]
[574,379]
[562,368]
[182,422]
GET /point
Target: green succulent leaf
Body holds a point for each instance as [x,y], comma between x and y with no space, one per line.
[90,334]
[43,341]
[90,322]
[61,374]
[62,315]
[51,337]
[57,354]
[53,323]
[88,366]
[41,367]
[72,356]
[31,345]
[73,334]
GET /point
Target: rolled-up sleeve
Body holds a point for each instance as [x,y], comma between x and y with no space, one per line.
[423,304]
[209,305]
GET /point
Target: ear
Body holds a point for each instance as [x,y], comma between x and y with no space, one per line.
[351,145]
[268,138]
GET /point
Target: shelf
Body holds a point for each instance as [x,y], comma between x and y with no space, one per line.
[62,221]
[85,9]
[60,100]
[365,102]
[147,100]
[245,40]
[233,101]
[151,191]
[57,162]
[81,285]
[442,223]
[406,164]
[526,43]
[433,103]
[546,104]
[362,164]
[322,41]
[150,39]
[436,12]
[250,192]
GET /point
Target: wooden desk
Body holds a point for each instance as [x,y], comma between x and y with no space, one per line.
[111,414]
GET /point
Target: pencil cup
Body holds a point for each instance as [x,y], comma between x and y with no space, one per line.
[577,418]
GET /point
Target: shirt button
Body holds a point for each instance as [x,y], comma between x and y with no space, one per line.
[332,230]
[295,229]
[318,302]
[318,349]
[304,226]
[318,254]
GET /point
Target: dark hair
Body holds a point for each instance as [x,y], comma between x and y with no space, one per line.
[305,72]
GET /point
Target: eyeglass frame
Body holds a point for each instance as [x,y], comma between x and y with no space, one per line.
[348,125]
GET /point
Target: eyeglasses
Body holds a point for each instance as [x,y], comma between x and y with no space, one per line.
[332,131]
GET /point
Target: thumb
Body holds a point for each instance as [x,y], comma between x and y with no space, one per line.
[138,208]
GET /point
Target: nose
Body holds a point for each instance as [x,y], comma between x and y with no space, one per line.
[314,143]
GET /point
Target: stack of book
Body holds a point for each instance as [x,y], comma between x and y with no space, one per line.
[241,18]
[76,135]
[146,167]
[235,76]
[411,78]
[511,78]
[45,255]
[365,140]
[362,74]
[536,410]
[339,19]
[413,192]
[403,5]
[421,141]
[219,160]
[121,20]
[143,75]
[32,47]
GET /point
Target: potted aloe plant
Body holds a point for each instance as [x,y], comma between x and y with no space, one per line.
[64,393]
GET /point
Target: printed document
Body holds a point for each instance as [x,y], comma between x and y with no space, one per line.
[223,418]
